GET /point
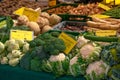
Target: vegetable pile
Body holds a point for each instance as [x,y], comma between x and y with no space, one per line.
[12,5]
[12,51]
[113,12]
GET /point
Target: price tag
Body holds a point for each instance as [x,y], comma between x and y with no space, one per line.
[69,42]
[31,14]
[104,33]
[21,35]
[117,2]
[100,16]
[19,11]
[104,6]
[2,23]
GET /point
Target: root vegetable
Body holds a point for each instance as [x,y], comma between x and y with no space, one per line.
[34,27]
[45,14]
[42,22]
[22,20]
[46,28]
[54,19]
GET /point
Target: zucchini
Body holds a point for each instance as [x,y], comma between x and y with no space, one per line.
[102,39]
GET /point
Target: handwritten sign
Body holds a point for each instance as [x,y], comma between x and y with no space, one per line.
[69,42]
[21,35]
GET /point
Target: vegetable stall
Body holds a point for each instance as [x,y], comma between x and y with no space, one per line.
[64,42]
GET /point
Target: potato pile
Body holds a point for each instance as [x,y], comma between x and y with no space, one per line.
[60,10]
[7,7]
[88,9]
[43,24]
[81,9]
[103,24]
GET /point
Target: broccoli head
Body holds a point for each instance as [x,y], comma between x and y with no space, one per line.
[54,46]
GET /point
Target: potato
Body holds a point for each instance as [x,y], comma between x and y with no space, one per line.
[34,27]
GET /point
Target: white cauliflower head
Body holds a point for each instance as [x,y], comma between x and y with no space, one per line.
[60,57]
[90,51]
[4,60]
[81,41]
[97,67]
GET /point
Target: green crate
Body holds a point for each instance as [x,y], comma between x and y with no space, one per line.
[67,32]
[70,17]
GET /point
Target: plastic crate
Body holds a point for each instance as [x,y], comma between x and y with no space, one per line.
[63,24]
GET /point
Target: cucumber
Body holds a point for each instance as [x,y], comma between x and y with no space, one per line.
[101,39]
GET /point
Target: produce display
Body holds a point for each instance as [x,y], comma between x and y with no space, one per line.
[81,9]
[60,10]
[88,9]
[9,6]
[113,12]
[103,24]
[73,26]
[12,51]
[67,48]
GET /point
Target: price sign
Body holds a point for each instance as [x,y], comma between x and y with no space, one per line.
[104,33]
[31,14]
[69,42]
[21,35]
[104,6]
[100,16]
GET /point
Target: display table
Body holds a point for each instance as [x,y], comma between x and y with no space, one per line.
[16,73]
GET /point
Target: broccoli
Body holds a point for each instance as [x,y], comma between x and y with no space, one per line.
[54,46]
[31,54]
[55,34]
[35,64]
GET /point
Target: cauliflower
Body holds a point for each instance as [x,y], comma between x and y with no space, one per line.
[90,51]
[13,62]
[2,47]
[25,47]
[60,57]
[96,70]
[73,60]
[81,41]
[4,60]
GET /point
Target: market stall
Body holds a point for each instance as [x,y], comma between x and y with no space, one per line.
[63,42]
